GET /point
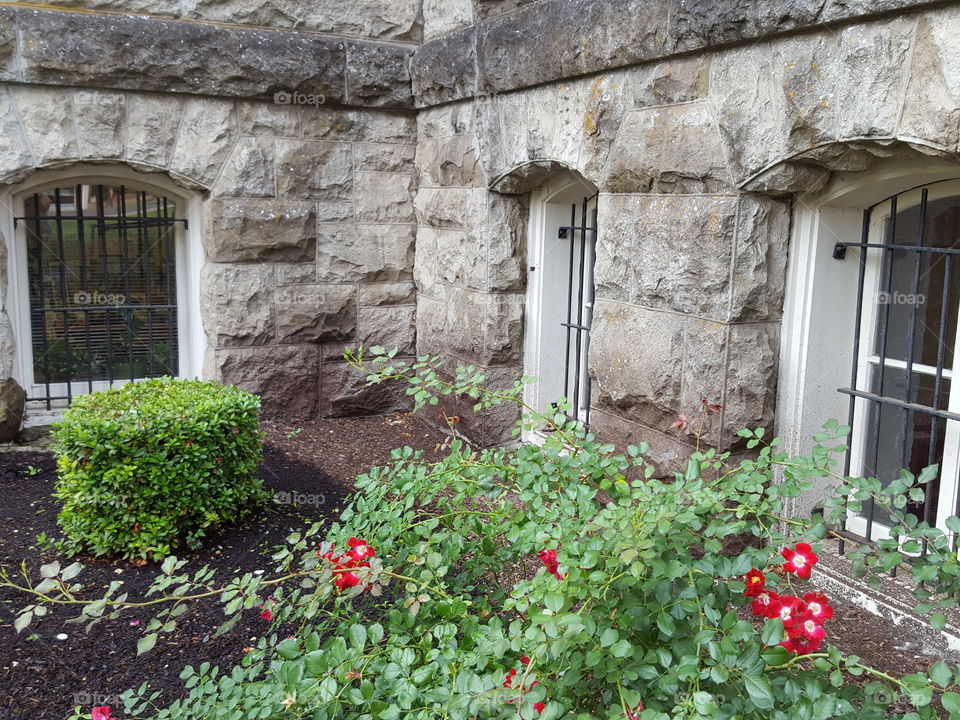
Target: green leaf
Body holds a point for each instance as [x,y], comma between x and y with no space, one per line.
[23,619]
[358,636]
[951,702]
[146,643]
[938,621]
[621,649]
[941,674]
[553,601]
[772,632]
[50,569]
[608,637]
[666,624]
[760,691]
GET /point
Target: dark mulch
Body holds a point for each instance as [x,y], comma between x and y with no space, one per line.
[44,678]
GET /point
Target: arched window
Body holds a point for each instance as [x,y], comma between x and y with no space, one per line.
[98,268]
[560,293]
[870,333]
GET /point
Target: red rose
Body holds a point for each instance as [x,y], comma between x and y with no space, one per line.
[799,559]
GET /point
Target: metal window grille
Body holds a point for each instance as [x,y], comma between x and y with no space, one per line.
[582,236]
[908,294]
[102,288]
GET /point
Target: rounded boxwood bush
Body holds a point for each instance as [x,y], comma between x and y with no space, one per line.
[156,464]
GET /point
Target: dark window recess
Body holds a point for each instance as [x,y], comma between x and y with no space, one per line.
[582,236]
[103,296]
[904,383]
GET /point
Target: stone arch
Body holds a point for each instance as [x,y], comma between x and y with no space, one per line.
[531,175]
[812,169]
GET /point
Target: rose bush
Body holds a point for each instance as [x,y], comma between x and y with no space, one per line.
[553,581]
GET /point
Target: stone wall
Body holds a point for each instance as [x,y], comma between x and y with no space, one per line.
[307,210]
[697,157]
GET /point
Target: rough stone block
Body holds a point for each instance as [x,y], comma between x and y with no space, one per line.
[12,401]
[295,273]
[760,259]
[127,51]
[444,207]
[335,212]
[248,171]
[262,118]
[152,7]
[365,253]
[207,132]
[445,69]
[384,157]
[931,109]
[15,153]
[431,326]
[314,170]
[668,451]
[445,16]
[326,123]
[485,9]
[774,101]
[665,252]
[316,313]
[751,377]
[389,327]
[449,161]
[236,304]
[47,118]
[388,293]
[260,231]
[708,23]
[344,393]
[654,152]
[8,44]
[100,118]
[385,197]
[452,119]
[484,328]
[287,378]
[152,124]
[490,427]
[378,75]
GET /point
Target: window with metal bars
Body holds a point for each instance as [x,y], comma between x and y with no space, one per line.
[102,282]
[904,407]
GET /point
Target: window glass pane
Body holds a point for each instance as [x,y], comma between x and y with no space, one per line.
[891,429]
[899,299]
[102,278]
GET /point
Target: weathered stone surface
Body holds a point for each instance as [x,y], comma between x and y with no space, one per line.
[260,231]
[15,153]
[314,170]
[388,293]
[751,377]
[236,304]
[47,118]
[774,101]
[335,211]
[665,252]
[295,273]
[426,273]
[445,16]
[378,75]
[449,161]
[152,124]
[445,69]
[669,450]
[485,328]
[384,157]
[760,259]
[365,253]
[389,327]
[932,106]
[285,377]
[8,44]
[248,171]
[445,120]
[653,152]
[431,326]
[153,7]
[207,132]
[12,401]
[316,313]
[444,207]
[565,38]
[485,9]
[358,125]
[385,197]
[126,51]
[490,427]
[459,260]
[100,120]
[344,393]
[259,118]
[393,19]
[708,23]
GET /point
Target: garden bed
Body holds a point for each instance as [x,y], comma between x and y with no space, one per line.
[42,677]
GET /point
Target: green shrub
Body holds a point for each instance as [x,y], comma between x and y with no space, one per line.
[153,465]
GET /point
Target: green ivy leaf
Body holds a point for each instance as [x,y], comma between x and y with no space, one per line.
[146,643]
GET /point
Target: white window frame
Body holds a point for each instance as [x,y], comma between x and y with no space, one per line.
[189,261]
[543,219]
[819,314]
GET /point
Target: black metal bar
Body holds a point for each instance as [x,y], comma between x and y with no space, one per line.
[169,262]
[58,309]
[885,400]
[125,259]
[911,248]
[579,370]
[566,354]
[84,280]
[38,233]
[62,271]
[104,269]
[128,221]
[882,365]
[144,240]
